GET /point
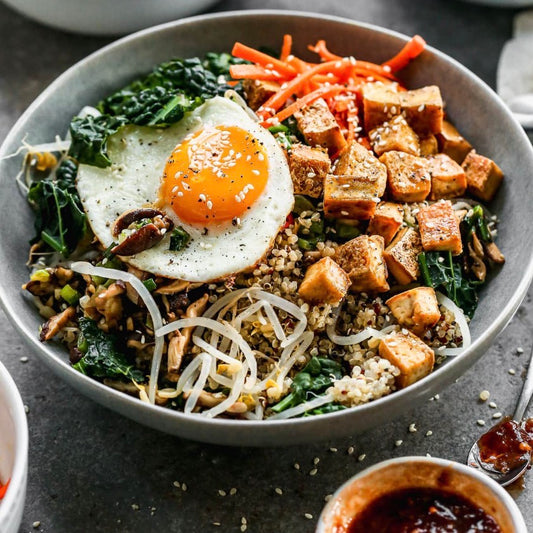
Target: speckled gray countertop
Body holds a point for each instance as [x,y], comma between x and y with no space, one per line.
[92,470]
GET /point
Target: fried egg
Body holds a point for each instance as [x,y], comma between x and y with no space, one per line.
[217,173]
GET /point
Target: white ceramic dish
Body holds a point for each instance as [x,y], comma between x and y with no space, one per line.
[419,472]
[477,111]
[13,453]
[102,17]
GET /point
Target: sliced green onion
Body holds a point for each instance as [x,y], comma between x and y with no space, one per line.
[150,284]
[70,295]
[40,275]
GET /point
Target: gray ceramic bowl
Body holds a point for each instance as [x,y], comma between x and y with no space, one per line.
[476,110]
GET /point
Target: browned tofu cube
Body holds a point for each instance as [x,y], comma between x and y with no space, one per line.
[386,221]
[439,228]
[350,197]
[423,109]
[483,176]
[257,92]
[380,104]
[428,145]
[448,179]
[394,135]
[413,357]
[416,309]
[308,167]
[356,160]
[401,256]
[408,176]
[325,282]
[319,127]
[452,143]
[362,259]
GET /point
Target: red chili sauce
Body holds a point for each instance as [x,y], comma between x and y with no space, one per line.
[421,510]
[507,445]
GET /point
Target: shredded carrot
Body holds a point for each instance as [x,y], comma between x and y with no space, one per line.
[255,56]
[286,112]
[321,49]
[252,72]
[3,489]
[278,99]
[286,47]
[412,49]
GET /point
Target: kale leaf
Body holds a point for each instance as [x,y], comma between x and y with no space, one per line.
[441,270]
[314,379]
[179,238]
[102,355]
[60,220]
[89,138]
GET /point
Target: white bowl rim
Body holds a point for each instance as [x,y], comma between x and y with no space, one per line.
[97,388]
[18,476]
[496,489]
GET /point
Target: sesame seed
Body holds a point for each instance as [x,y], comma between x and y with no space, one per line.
[24,359]
[36,524]
[412,428]
[480,422]
[520,350]
[333,450]
[202,197]
[209,204]
[497,415]
[493,405]
[135,506]
[328,497]
[512,371]
[484,395]
[232,491]
[399,442]
[316,460]
[216,523]
[350,450]
[277,490]
[313,472]
[176,484]
[429,433]
[222,492]
[361,457]
[184,487]
[309,516]
[243,520]
[296,466]
[244,527]
[26,409]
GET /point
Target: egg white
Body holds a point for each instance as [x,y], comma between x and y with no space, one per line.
[139,155]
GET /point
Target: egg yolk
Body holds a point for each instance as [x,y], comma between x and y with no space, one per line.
[214,175]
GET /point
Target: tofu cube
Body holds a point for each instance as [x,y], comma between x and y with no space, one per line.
[325,282]
[356,160]
[439,228]
[395,134]
[413,357]
[380,104]
[362,259]
[423,109]
[319,127]
[350,197]
[483,176]
[386,221]
[448,179]
[309,167]
[452,143]
[257,92]
[408,176]
[428,145]
[401,256]
[416,309]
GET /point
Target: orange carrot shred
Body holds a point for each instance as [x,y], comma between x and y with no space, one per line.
[264,60]
[413,48]
[286,47]
[252,72]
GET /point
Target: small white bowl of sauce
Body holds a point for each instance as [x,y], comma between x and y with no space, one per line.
[420,494]
[13,454]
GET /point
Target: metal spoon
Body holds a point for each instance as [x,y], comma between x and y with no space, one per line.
[474,460]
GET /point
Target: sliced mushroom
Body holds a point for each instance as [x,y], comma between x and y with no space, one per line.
[55,324]
[494,253]
[179,343]
[209,400]
[109,303]
[144,237]
[173,287]
[478,266]
[477,246]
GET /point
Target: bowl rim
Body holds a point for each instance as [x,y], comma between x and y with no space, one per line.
[95,389]
[497,490]
[20,423]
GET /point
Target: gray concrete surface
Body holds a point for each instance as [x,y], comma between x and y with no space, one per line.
[94,471]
